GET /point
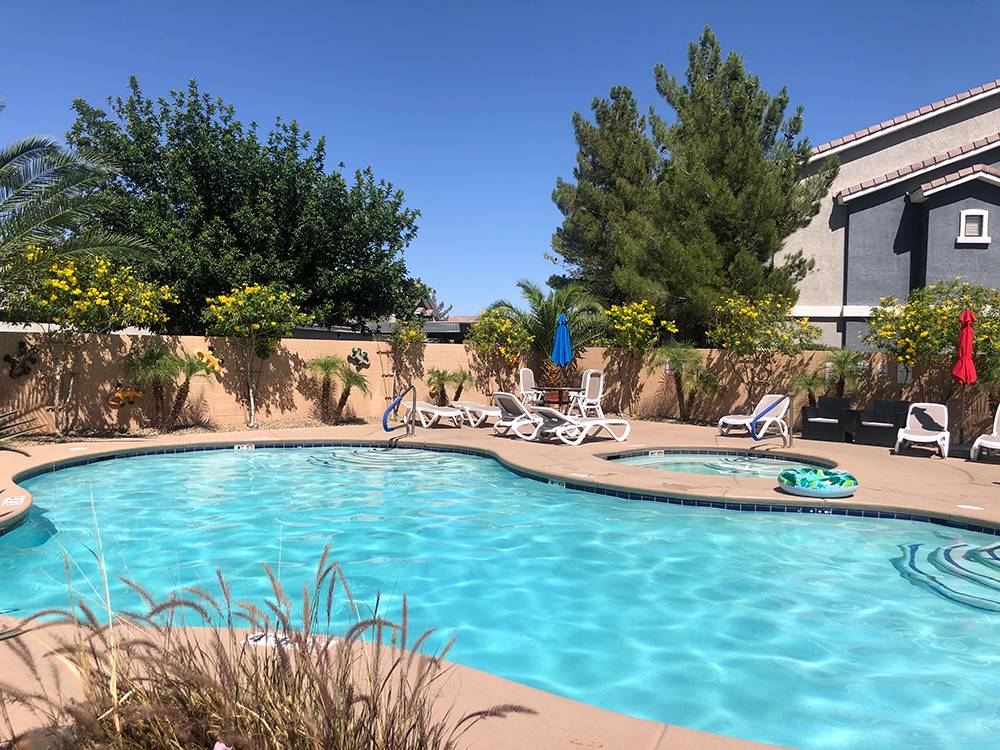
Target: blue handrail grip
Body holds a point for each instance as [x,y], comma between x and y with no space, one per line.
[385,416]
[756,419]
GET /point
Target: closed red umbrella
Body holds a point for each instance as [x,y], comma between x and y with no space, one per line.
[964,371]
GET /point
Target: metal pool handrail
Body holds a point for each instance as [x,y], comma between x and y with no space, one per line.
[410,423]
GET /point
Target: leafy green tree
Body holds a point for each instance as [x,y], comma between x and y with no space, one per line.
[47,201]
[225,206]
[438,381]
[258,317]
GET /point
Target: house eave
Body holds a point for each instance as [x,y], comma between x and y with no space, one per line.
[847,145]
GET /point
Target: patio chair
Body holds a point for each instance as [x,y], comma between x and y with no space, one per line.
[989,442]
[828,420]
[774,418]
[588,398]
[925,424]
[880,424]
[476,414]
[574,430]
[530,394]
[429,414]
[515,417]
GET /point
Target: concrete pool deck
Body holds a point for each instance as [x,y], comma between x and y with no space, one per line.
[953,490]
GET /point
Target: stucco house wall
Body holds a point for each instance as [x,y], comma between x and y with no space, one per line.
[946,257]
[825,238]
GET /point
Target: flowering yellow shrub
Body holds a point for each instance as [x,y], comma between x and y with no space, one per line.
[745,326]
[926,325]
[407,334]
[633,327]
[92,295]
[495,334]
[261,313]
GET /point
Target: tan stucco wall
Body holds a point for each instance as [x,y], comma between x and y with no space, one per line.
[287,394]
[824,238]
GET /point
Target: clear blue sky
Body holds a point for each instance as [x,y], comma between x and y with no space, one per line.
[467,105]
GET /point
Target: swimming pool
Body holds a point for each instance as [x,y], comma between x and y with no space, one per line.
[715,462]
[789,628]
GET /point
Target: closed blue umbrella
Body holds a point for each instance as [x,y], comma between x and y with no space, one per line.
[562,351]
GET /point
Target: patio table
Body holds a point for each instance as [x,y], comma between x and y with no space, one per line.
[558,395]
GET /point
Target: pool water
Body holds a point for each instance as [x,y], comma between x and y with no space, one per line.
[813,631]
[721,463]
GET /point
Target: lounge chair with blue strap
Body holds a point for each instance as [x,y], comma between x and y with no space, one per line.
[769,413]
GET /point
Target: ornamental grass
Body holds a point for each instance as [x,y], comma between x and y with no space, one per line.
[174,678]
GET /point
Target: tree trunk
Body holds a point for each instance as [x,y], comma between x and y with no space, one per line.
[180,398]
[251,406]
[159,403]
[458,391]
[682,405]
[325,406]
[342,401]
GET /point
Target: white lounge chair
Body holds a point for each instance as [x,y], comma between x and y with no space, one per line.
[476,414]
[429,414]
[574,430]
[774,418]
[989,442]
[530,394]
[925,423]
[588,398]
[515,417]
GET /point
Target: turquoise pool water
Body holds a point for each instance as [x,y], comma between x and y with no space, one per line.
[813,631]
[719,464]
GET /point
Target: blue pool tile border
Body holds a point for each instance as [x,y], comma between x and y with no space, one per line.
[595,489]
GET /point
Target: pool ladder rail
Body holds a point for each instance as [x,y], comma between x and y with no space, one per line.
[409,423]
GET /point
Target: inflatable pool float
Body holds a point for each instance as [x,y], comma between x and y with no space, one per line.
[817,482]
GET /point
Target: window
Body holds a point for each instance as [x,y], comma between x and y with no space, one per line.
[974,226]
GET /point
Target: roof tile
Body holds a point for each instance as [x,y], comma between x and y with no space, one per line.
[960,174]
[953,153]
[900,119]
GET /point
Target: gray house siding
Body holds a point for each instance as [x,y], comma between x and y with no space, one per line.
[882,234]
[946,258]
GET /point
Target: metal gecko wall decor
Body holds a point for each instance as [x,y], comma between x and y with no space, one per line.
[359,358]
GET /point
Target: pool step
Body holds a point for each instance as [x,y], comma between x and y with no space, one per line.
[960,573]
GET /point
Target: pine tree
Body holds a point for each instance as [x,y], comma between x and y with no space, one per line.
[683,212]
[733,182]
[610,232]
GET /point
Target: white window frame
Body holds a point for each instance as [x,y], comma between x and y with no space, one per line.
[985,238]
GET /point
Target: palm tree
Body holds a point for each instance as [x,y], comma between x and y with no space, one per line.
[809,383]
[154,368]
[47,197]
[188,366]
[541,317]
[437,382]
[682,359]
[845,367]
[349,379]
[326,368]
[461,378]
